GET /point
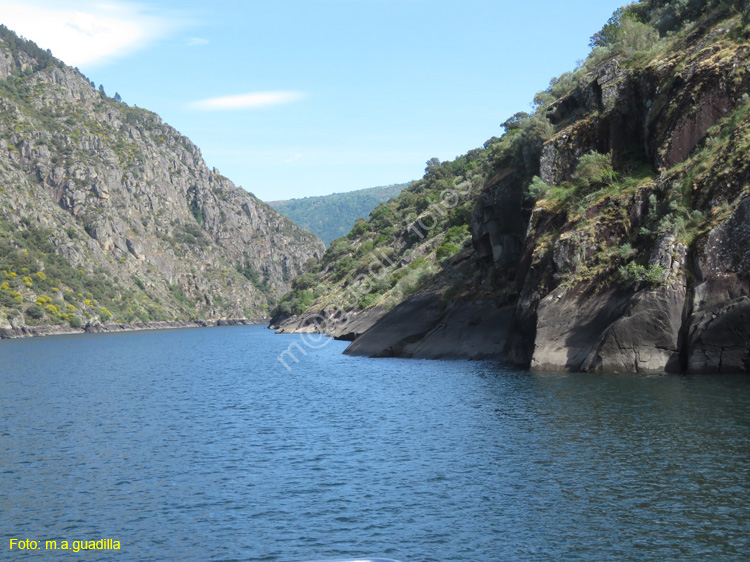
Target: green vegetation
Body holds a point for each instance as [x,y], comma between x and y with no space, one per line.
[90,228]
[29,266]
[594,175]
[331,216]
[13,43]
[399,248]
[603,220]
[635,273]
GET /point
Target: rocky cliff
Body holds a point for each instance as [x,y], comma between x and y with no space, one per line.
[108,214]
[582,305]
[610,229]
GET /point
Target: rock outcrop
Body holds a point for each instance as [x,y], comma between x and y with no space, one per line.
[616,331]
[643,265]
[718,338]
[695,318]
[424,328]
[105,199]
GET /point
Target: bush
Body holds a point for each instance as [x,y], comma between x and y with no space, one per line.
[635,36]
[368,300]
[634,273]
[306,281]
[445,250]
[283,309]
[457,234]
[359,228]
[538,190]
[627,251]
[75,322]
[6,299]
[595,170]
[459,216]
[35,311]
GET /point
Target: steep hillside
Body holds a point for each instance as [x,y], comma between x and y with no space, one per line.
[609,229]
[332,216]
[420,237]
[108,214]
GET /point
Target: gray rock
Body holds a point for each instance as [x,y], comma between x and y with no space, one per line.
[719,330]
[406,324]
[126,196]
[614,331]
[424,328]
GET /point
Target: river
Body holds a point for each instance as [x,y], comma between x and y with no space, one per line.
[198,445]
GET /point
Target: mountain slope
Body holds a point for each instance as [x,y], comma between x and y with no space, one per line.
[608,229]
[109,214]
[332,216]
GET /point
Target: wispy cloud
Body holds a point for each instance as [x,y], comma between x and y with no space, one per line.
[252,100]
[293,158]
[86,32]
[196,41]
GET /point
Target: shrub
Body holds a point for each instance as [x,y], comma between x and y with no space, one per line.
[538,189]
[459,216]
[457,234]
[634,273]
[284,309]
[445,250]
[75,322]
[6,298]
[359,228]
[635,36]
[368,300]
[343,266]
[35,311]
[627,251]
[595,170]
[306,281]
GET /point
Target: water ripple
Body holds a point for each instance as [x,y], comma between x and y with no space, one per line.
[196,445]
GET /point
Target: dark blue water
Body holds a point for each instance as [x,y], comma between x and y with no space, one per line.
[198,445]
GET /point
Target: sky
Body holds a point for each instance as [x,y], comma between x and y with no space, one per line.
[295,98]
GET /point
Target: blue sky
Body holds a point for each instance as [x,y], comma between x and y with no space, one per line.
[298,98]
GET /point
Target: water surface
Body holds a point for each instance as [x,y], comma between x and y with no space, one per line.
[198,445]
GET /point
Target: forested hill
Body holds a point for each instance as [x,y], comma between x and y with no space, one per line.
[606,230]
[107,214]
[332,216]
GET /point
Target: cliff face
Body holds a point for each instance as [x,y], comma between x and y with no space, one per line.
[630,250]
[687,115]
[113,215]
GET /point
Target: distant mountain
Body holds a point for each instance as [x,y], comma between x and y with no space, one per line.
[607,231]
[332,216]
[107,213]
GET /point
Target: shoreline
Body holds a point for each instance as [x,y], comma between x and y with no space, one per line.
[43,330]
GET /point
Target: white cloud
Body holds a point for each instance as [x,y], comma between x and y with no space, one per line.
[86,32]
[293,158]
[195,41]
[252,100]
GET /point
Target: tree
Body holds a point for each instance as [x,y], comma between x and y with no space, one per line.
[117,97]
[101,90]
[608,34]
[431,165]
[515,122]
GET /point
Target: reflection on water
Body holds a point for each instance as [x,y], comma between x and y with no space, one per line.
[197,445]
